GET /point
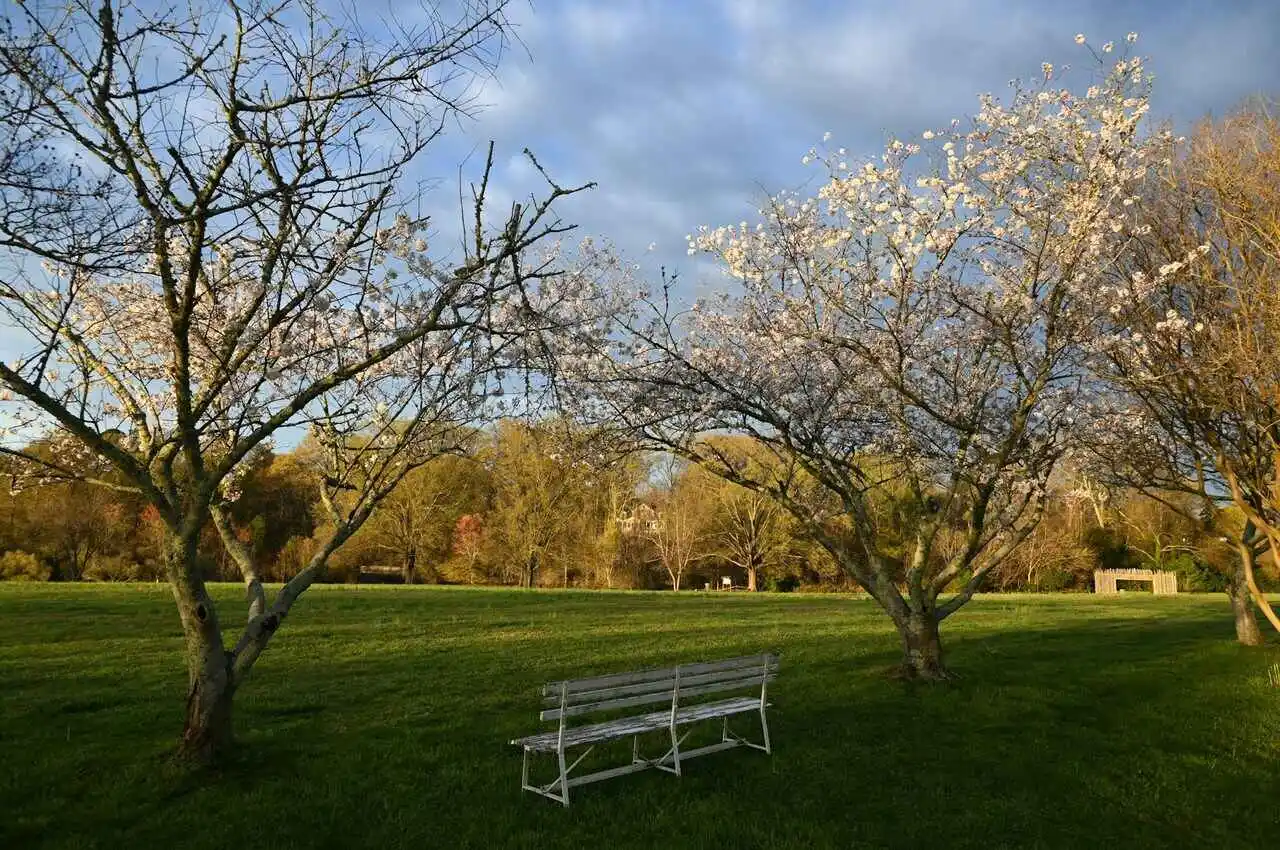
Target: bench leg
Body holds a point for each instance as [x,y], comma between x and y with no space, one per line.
[764,727]
[545,790]
[673,753]
[564,779]
[727,736]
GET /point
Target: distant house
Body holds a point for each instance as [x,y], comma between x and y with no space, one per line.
[641,519]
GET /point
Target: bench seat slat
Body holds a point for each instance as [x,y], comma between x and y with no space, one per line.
[597,682]
[661,685]
[754,680]
[628,726]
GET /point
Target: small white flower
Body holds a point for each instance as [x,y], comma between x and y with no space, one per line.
[927,134]
[1047,68]
[1108,47]
[826,137]
[1131,37]
[1079,38]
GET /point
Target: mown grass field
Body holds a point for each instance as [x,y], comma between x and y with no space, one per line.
[380,718]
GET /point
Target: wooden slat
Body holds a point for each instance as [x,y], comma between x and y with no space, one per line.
[750,680]
[723,687]
[635,677]
[660,685]
[608,705]
[625,727]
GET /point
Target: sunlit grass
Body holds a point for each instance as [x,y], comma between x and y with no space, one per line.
[380,718]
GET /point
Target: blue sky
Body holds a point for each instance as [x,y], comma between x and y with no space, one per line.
[688,113]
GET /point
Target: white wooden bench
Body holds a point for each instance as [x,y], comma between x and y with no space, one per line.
[685,688]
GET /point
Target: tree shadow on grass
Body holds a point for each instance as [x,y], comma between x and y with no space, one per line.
[1097,730]
[88,706]
[1100,728]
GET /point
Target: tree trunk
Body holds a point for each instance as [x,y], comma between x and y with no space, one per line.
[207,731]
[751,579]
[1247,631]
[922,647]
[409,566]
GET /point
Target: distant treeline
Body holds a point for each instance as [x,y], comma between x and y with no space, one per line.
[531,506]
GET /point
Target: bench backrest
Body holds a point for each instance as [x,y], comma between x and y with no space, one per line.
[575,697]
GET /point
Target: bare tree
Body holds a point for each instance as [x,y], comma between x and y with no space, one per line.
[746,526]
[1194,320]
[679,532]
[210,234]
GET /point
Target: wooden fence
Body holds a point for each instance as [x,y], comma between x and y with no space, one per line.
[1162,583]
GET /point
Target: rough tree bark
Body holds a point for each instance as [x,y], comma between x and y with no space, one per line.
[1247,631]
[210,684]
[921,647]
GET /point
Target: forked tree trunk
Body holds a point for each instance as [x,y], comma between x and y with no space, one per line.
[1247,631]
[921,647]
[206,733]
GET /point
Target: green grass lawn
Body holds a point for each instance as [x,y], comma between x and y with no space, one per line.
[380,718]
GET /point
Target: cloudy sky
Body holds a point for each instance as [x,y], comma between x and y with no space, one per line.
[687,112]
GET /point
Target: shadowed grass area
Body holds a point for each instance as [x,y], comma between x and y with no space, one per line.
[380,718]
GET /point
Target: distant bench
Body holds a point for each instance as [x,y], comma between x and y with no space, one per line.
[685,687]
